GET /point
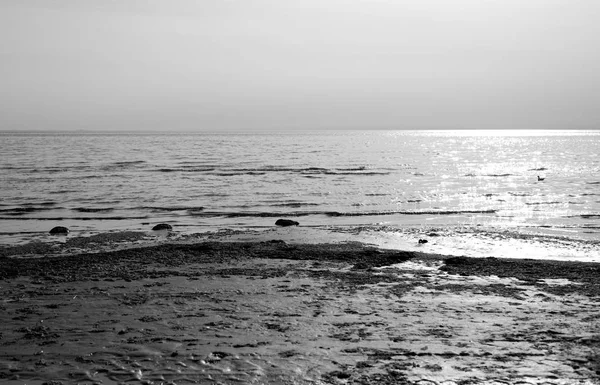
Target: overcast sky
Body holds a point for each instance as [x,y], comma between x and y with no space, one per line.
[311,64]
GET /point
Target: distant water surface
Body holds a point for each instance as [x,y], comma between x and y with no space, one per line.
[206,181]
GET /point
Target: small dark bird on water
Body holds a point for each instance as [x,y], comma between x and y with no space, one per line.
[540,178]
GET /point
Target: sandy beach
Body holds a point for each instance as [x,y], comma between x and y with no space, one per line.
[275,312]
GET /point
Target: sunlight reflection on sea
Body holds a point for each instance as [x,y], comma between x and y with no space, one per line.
[96,182]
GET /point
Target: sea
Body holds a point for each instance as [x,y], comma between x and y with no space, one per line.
[515,193]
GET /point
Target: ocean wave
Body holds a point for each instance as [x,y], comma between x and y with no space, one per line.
[470,175]
[308,170]
[180,169]
[63,191]
[293,204]
[116,218]
[542,203]
[24,210]
[48,203]
[197,168]
[196,162]
[341,214]
[280,169]
[129,162]
[238,173]
[590,216]
[583,216]
[538,169]
[416,212]
[367,173]
[172,208]
[592,182]
[19,168]
[336,171]
[92,209]
[58,169]
[79,177]
[264,170]
[123,165]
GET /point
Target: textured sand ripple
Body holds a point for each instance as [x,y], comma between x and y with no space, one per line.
[273,313]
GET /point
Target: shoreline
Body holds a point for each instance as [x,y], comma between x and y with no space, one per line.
[11,234]
[457,241]
[121,245]
[276,312]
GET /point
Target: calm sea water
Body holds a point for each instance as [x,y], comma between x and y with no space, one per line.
[206,181]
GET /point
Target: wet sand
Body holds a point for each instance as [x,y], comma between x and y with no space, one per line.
[279,313]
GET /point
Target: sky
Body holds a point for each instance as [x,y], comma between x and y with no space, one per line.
[299,64]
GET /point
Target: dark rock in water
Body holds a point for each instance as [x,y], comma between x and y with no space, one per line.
[423,241]
[286,222]
[163,226]
[59,230]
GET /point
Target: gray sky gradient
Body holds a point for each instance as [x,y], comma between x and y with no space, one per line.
[311,64]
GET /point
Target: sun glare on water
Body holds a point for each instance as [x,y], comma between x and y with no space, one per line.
[507,133]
